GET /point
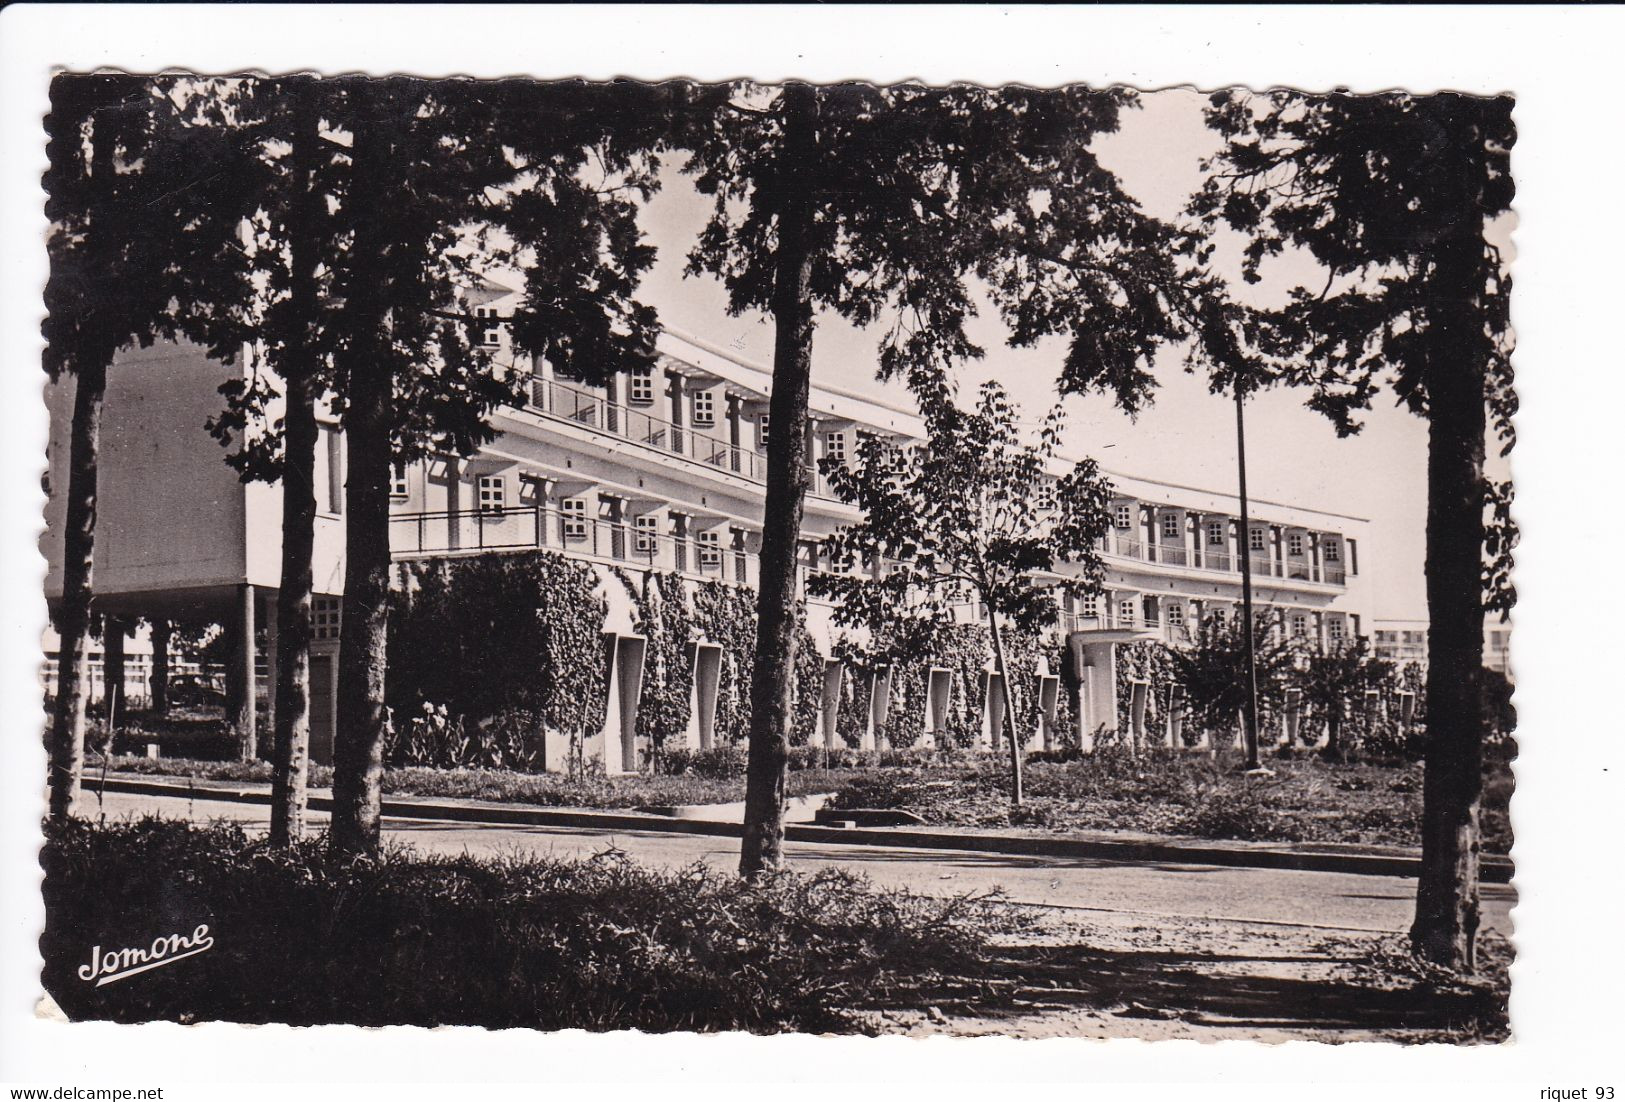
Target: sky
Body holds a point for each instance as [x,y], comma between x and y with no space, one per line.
[1188,434]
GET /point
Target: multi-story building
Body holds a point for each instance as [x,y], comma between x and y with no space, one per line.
[661,469]
[1407,641]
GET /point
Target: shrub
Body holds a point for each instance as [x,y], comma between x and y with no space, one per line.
[719,762]
[304,938]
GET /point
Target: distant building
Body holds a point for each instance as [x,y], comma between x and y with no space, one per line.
[661,469]
[1407,641]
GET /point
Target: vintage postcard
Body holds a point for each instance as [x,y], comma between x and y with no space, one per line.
[919,558]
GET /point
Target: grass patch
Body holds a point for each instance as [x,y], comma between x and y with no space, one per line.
[303,938]
[1306,800]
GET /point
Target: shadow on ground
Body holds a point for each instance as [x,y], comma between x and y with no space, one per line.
[1341,986]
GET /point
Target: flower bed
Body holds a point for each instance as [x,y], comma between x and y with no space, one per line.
[1306,800]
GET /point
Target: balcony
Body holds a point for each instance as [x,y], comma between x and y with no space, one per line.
[1218,561]
[614,542]
[586,409]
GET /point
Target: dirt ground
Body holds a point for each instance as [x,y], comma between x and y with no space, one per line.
[1209,981]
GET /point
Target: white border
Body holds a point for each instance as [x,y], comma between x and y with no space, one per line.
[1562,64]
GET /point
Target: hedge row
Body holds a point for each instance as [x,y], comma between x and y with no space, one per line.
[509,645]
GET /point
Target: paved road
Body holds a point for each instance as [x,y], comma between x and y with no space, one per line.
[1113,891]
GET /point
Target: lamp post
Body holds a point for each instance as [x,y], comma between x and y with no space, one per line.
[1249,733]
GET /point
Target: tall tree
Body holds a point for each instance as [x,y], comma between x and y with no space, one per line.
[974,510]
[430,164]
[134,192]
[883,202]
[287,206]
[1392,195]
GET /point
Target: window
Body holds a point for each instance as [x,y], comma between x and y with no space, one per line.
[574,511]
[705,407]
[1090,605]
[1255,539]
[397,481]
[324,617]
[493,493]
[1294,544]
[491,332]
[1125,612]
[761,430]
[1170,526]
[1332,550]
[1334,630]
[1215,533]
[1125,516]
[710,548]
[1046,495]
[835,446]
[1300,624]
[640,389]
[1176,616]
[647,533]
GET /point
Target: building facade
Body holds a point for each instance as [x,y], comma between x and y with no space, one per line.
[662,469]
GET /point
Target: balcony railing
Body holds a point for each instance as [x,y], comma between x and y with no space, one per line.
[593,411]
[1121,545]
[519,527]
[582,407]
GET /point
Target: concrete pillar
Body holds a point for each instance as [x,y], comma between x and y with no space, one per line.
[705,665]
[1292,717]
[992,710]
[1080,716]
[616,743]
[1138,693]
[1049,698]
[829,702]
[1102,667]
[1176,717]
[113,702]
[879,708]
[1374,711]
[270,665]
[162,632]
[938,688]
[242,659]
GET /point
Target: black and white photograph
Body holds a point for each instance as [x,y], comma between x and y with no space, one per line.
[765,555]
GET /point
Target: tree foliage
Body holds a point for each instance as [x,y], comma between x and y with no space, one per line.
[1392,195]
[971,510]
[1334,679]
[1213,669]
[1376,188]
[133,193]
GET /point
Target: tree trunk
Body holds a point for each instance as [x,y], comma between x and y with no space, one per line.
[1446,926]
[358,745]
[158,702]
[773,674]
[67,752]
[1009,706]
[290,747]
